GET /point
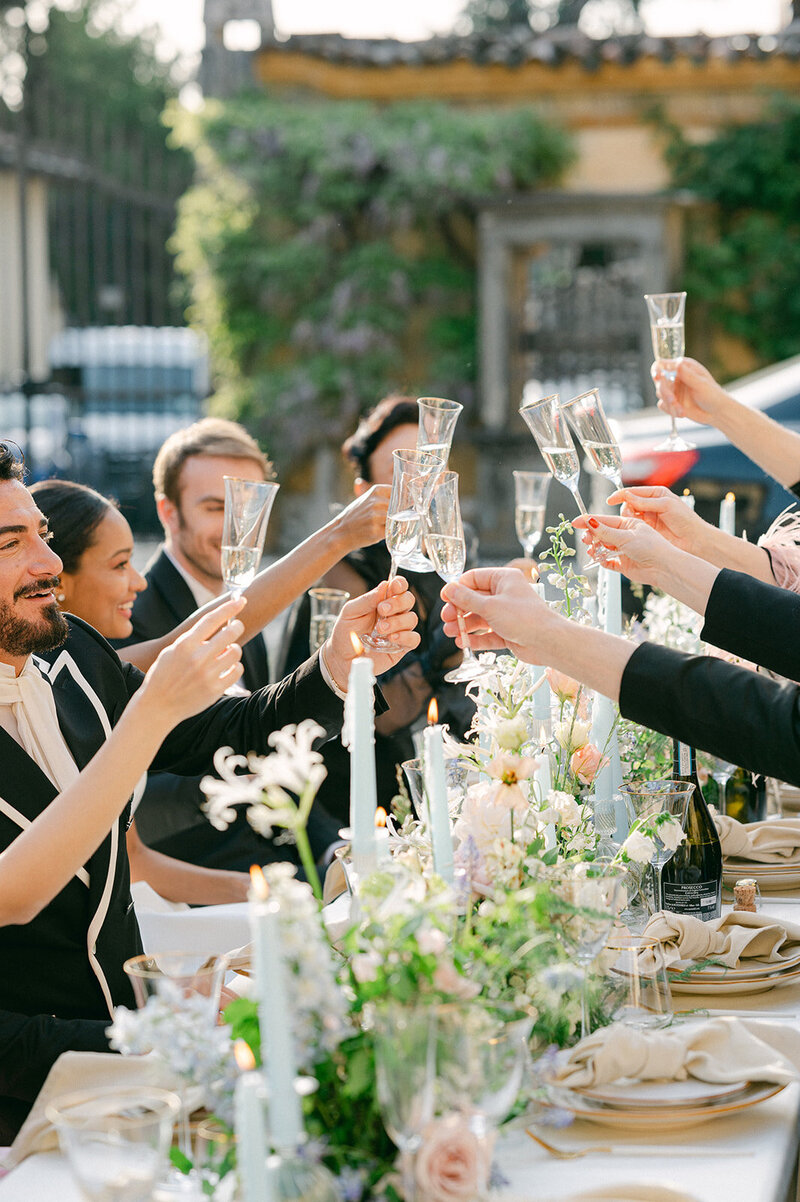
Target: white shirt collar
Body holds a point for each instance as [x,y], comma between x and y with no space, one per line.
[202,595]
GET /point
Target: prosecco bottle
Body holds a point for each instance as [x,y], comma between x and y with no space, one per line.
[691,882]
[745,796]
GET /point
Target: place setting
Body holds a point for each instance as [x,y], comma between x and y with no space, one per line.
[766,852]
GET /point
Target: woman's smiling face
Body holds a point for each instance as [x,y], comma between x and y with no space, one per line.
[104,587]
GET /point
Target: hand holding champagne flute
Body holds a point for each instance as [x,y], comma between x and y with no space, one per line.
[667,330]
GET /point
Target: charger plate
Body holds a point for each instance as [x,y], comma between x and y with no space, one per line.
[654,1118]
[752,970]
[702,984]
[647,1094]
[768,877]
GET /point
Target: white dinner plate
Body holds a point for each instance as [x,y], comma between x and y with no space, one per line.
[700,984]
[752,970]
[645,1191]
[643,1118]
[661,1093]
[775,882]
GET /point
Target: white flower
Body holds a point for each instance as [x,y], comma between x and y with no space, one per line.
[568,812]
[639,847]
[365,966]
[572,735]
[671,833]
[431,941]
[510,733]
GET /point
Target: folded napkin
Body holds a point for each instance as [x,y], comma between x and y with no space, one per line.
[776,841]
[82,1071]
[734,940]
[721,1050]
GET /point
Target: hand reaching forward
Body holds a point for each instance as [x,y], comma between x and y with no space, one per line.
[392,606]
[501,610]
[636,550]
[194,671]
[663,511]
[694,393]
[363,521]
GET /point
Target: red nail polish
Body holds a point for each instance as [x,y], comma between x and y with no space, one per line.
[593,522]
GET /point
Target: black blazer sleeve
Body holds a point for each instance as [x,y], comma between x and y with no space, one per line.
[729,711]
[30,1046]
[759,622]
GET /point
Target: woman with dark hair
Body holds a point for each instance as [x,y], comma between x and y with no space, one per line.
[391,425]
[99,584]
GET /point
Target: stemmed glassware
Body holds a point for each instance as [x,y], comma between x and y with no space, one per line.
[437,422]
[405,1077]
[548,425]
[667,330]
[247,508]
[413,477]
[326,605]
[180,983]
[650,798]
[530,499]
[444,536]
[585,415]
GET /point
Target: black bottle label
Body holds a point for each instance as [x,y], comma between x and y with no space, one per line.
[700,899]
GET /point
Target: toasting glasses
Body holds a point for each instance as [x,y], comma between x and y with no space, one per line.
[548,425]
[444,536]
[667,330]
[413,477]
[437,423]
[530,500]
[585,414]
[248,504]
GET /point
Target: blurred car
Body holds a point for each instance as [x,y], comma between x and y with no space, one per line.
[715,467]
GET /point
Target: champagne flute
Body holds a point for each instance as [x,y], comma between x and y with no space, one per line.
[585,414]
[667,330]
[247,508]
[437,423]
[549,427]
[326,605]
[414,474]
[530,497]
[405,1077]
[444,533]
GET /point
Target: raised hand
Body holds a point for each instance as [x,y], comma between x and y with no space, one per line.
[500,610]
[392,606]
[635,548]
[363,521]
[663,511]
[694,393]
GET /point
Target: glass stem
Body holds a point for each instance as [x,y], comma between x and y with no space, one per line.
[585,1003]
[657,875]
[578,498]
[469,654]
[408,1176]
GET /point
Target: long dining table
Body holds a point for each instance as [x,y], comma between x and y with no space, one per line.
[750,1156]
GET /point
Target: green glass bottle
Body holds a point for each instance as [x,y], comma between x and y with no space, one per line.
[691,882]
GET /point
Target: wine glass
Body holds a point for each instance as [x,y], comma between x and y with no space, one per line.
[405,1074]
[667,330]
[444,536]
[437,423]
[530,498]
[116,1139]
[650,798]
[414,474]
[247,508]
[585,415]
[180,983]
[326,605]
[639,987]
[549,427]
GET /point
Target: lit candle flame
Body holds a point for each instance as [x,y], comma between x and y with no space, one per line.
[380,816]
[244,1056]
[686,492]
[542,735]
[433,712]
[730,496]
[358,646]
[259,883]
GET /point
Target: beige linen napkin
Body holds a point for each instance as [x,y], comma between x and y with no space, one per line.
[776,841]
[721,1050]
[738,936]
[77,1071]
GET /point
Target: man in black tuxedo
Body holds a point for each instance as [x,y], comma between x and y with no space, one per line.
[62,690]
[184,575]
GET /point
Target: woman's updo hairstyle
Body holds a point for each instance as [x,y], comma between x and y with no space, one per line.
[388,414]
[73,512]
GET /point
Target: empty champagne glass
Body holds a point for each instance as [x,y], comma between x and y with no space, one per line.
[247,508]
[530,500]
[667,330]
[405,1077]
[650,798]
[116,1140]
[437,422]
[326,605]
[413,476]
[585,415]
[444,536]
[548,425]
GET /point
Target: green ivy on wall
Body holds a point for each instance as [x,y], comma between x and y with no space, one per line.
[743,259]
[330,250]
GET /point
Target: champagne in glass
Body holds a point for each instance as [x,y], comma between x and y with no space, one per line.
[666,311]
[548,426]
[326,605]
[248,504]
[239,566]
[585,414]
[530,496]
[437,423]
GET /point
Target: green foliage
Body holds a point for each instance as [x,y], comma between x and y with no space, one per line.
[500,16]
[746,266]
[330,250]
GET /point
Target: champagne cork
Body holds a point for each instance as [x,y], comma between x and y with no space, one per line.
[745,895]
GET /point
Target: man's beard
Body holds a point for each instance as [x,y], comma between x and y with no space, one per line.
[18,636]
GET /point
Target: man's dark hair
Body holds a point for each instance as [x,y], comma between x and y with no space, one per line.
[73,514]
[388,414]
[11,466]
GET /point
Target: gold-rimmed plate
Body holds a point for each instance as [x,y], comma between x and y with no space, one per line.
[750,970]
[666,1118]
[768,878]
[700,984]
[661,1094]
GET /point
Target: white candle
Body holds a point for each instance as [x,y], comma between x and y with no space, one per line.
[609,584]
[251,1140]
[609,778]
[727,514]
[436,788]
[275,1021]
[602,721]
[687,498]
[359,735]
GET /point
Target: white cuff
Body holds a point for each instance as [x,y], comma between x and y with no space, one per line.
[327,675]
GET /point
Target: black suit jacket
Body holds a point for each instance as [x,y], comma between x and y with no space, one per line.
[169,817]
[729,711]
[63,971]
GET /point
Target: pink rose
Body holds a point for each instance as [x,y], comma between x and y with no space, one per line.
[453,1162]
[586,762]
[564,687]
[448,979]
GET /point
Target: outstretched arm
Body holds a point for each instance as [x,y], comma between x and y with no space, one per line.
[694,393]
